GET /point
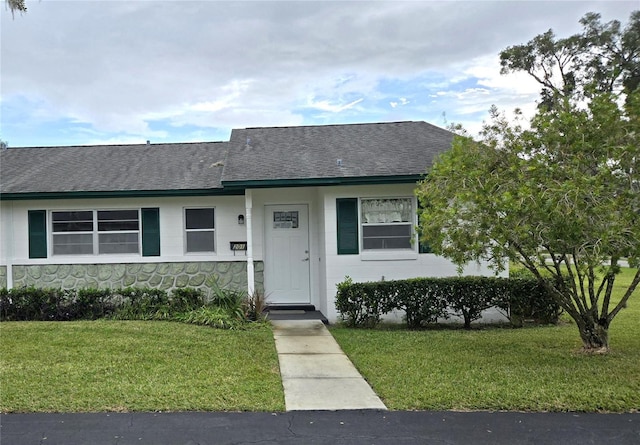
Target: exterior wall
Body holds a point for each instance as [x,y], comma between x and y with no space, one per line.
[165,276]
[6,243]
[174,268]
[374,266]
[172,234]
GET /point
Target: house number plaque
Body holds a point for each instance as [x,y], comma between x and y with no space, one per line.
[238,246]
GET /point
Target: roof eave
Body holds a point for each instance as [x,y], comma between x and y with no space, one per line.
[318,182]
[115,194]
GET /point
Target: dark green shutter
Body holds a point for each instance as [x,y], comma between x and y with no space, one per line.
[423,246]
[347,217]
[151,232]
[37,233]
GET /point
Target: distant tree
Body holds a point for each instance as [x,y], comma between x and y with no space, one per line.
[602,58]
[3,144]
[16,6]
[560,196]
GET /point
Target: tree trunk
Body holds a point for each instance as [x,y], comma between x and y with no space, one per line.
[595,336]
[467,320]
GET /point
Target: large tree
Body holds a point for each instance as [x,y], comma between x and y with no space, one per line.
[560,195]
[604,57]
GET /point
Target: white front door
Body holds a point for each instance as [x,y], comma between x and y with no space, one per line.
[286,269]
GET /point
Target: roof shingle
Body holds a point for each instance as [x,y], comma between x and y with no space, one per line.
[392,149]
[380,149]
[149,167]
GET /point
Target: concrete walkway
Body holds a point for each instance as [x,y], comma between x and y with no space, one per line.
[316,374]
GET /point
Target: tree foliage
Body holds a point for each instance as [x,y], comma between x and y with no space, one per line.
[560,195]
[16,6]
[604,57]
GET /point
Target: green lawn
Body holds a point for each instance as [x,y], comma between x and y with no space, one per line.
[532,369]
[136,366]
[165,366]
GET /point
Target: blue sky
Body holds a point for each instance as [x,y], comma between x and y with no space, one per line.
[119,71]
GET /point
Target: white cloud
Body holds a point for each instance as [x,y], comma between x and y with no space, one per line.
[123,67]
[325,105]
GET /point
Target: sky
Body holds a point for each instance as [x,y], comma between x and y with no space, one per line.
[89,72]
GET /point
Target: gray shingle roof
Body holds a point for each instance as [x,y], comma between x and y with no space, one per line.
[393,149]
[379,149]
[149,167]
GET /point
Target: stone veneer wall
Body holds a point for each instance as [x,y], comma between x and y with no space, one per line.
[157,275]
[3,276]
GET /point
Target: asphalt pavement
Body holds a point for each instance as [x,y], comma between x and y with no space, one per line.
[369,427]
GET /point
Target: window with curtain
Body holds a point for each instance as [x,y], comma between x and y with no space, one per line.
[387,223]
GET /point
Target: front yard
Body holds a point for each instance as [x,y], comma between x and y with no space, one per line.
[530,369]
[92,366]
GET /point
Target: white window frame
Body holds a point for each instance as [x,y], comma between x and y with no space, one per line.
[213,230]
[95,232]
[137,232]
[411,223]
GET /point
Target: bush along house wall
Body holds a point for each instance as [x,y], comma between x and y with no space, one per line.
[426,300]
[164,276]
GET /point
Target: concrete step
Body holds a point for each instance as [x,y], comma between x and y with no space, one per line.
[306,312]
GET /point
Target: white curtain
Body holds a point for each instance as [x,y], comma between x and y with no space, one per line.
[376,211]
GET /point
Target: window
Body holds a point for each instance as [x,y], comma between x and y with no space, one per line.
[91,232]
[200,230]
[118,231]
[285,220]
[387,223]
[72,233]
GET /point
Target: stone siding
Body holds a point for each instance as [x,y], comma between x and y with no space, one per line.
[3,277]
[165,276]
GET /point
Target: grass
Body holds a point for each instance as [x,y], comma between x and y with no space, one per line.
[166,366]
[529,369]
[95,366]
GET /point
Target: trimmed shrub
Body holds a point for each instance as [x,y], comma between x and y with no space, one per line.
[530,302]
[362,304]
[186,299]
[50,304]
[92,304]
[425,300]
[467,297]
[31,303]
[228,309]
[422,300]
[5,303]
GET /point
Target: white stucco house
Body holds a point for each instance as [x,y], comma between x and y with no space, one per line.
[287,210]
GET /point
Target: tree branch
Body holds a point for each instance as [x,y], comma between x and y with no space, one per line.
[623,302]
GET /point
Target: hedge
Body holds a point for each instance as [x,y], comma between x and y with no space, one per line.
[425,300]
[51,304]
